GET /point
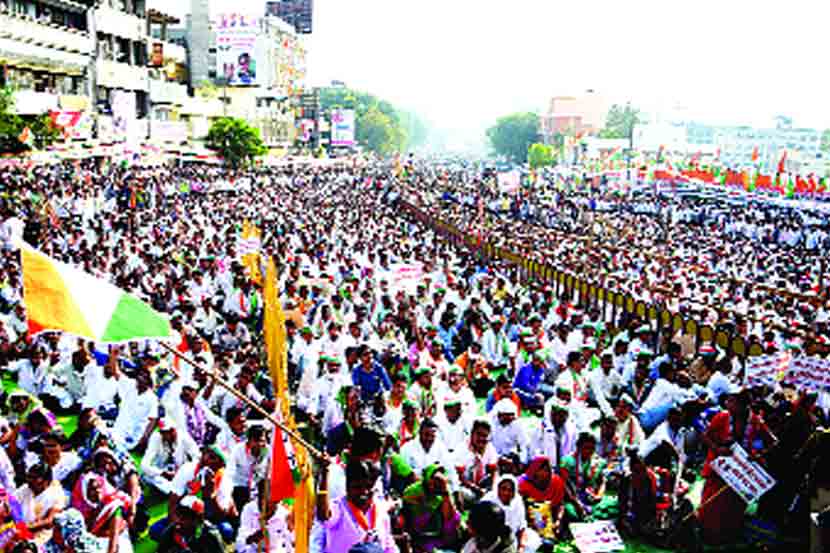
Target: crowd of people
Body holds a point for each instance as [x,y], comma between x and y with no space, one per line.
[461,408]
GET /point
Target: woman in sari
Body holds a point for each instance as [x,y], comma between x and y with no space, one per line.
[722,509]
[505,494]
[430,516]
[103,508]
[41,499]
[584,475]
[70,536]
[544,493]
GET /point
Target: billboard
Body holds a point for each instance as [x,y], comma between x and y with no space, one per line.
[342,127]
[236,48]
[123,112]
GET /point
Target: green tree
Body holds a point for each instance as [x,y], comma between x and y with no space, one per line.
[540,155]
[379,133]
[395,131]
[620,121]
[237,141]
[512,135]
[825,141]
[43,131]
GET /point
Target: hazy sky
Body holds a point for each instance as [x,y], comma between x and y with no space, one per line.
[465,61]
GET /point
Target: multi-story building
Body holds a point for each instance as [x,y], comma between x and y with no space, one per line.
[253,64]
[582,114]
[121,75]
[167,80]
[46,50]
[737,145]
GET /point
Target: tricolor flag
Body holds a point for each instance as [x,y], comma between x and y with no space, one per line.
[63,298]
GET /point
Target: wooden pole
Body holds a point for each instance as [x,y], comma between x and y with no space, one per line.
[317,454]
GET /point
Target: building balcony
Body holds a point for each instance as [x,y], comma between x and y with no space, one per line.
[120,75]
[120,24]
[41,58]
[25,29]
[166,92]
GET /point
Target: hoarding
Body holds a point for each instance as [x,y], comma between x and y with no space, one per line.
[236,48]
[123,112]
[342,127]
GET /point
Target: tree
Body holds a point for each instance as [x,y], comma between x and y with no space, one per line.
[540,155]
[41,127]
[379,133]
[620,121]
[825,141]
[380,126]
[236,140]
[512,135]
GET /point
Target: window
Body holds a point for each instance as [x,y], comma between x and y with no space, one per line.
[139,54]
[140,104]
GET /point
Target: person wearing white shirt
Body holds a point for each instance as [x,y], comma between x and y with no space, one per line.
[305,354]
[280,538]
[669,438]
[137,413]
[662,397]
[454,428]
[325,389]
[102,385]
[604,382]
[248,464]
[495,347]
[555,437]
[427,450]
[508,434]
[166,452]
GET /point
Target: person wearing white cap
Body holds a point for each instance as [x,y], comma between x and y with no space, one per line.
[167,450]
[508,436]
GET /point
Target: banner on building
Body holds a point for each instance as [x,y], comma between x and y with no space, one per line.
[236,48]
[342,127]
[123,112]
[596,537]
[743,475]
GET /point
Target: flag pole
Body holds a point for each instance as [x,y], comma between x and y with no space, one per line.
[316,453]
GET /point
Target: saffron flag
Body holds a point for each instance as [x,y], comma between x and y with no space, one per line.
[782,162]
[63,298]
[275,338]
[755,154]
[26,137]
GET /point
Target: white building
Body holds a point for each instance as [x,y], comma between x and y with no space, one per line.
[47,49]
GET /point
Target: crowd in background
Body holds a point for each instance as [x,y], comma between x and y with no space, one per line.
[463,409]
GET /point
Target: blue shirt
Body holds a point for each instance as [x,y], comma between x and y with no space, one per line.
[526,383]
[371,383]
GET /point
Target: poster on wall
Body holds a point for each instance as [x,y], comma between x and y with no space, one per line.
[236,48]
[342,127]
[123,111]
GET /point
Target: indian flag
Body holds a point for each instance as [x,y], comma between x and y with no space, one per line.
[63,298]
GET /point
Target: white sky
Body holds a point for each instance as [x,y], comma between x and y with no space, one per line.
[461,63]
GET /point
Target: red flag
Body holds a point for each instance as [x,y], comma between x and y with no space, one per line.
[755,154]
[282,477]
[781,163]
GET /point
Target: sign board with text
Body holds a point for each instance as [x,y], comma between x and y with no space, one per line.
[743,475]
